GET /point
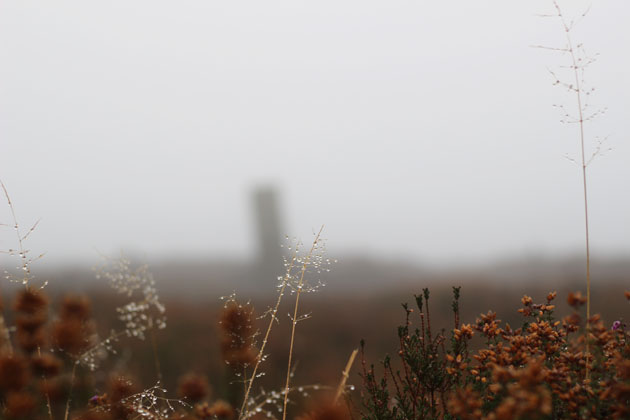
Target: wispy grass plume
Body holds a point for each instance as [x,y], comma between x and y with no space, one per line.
[570,76]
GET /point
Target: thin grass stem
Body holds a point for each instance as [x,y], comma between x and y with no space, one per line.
[345,375]
[295,320]
[48,407]
[578,94]
[72,378]
[244,411]
[156,359]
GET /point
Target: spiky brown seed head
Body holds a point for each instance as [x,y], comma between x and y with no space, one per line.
[56,389]
[14,372]
[46,364]
[237,324]
[219,410]
[19,405]
[193,387]
[29,342]
[326,411]
[120,387]
[75,307]
[31,323]
[182,416]
[237,319]
[239,356]
[71,335]
[30,302]
[94,415]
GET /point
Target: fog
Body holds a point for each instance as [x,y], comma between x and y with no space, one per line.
[421,131]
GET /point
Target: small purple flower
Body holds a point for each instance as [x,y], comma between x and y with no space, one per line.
[616,325]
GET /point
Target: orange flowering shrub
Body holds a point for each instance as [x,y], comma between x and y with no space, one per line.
[535,371]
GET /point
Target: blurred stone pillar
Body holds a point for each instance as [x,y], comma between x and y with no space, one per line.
[270,236]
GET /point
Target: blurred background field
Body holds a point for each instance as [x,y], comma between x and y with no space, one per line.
[360,301]
[194,136]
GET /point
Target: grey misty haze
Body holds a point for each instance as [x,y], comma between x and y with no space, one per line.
[414,130]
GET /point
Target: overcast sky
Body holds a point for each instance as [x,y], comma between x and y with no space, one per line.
[412,129]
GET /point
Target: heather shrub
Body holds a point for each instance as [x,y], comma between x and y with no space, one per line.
[490,370]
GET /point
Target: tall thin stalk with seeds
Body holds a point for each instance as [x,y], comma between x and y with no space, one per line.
[578,96]
[299,289]
[273,317]
[25,260]
[578,61]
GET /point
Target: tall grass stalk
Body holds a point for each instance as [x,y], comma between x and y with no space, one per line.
[273,317]
[298,292]
[578,95]
[578,63]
